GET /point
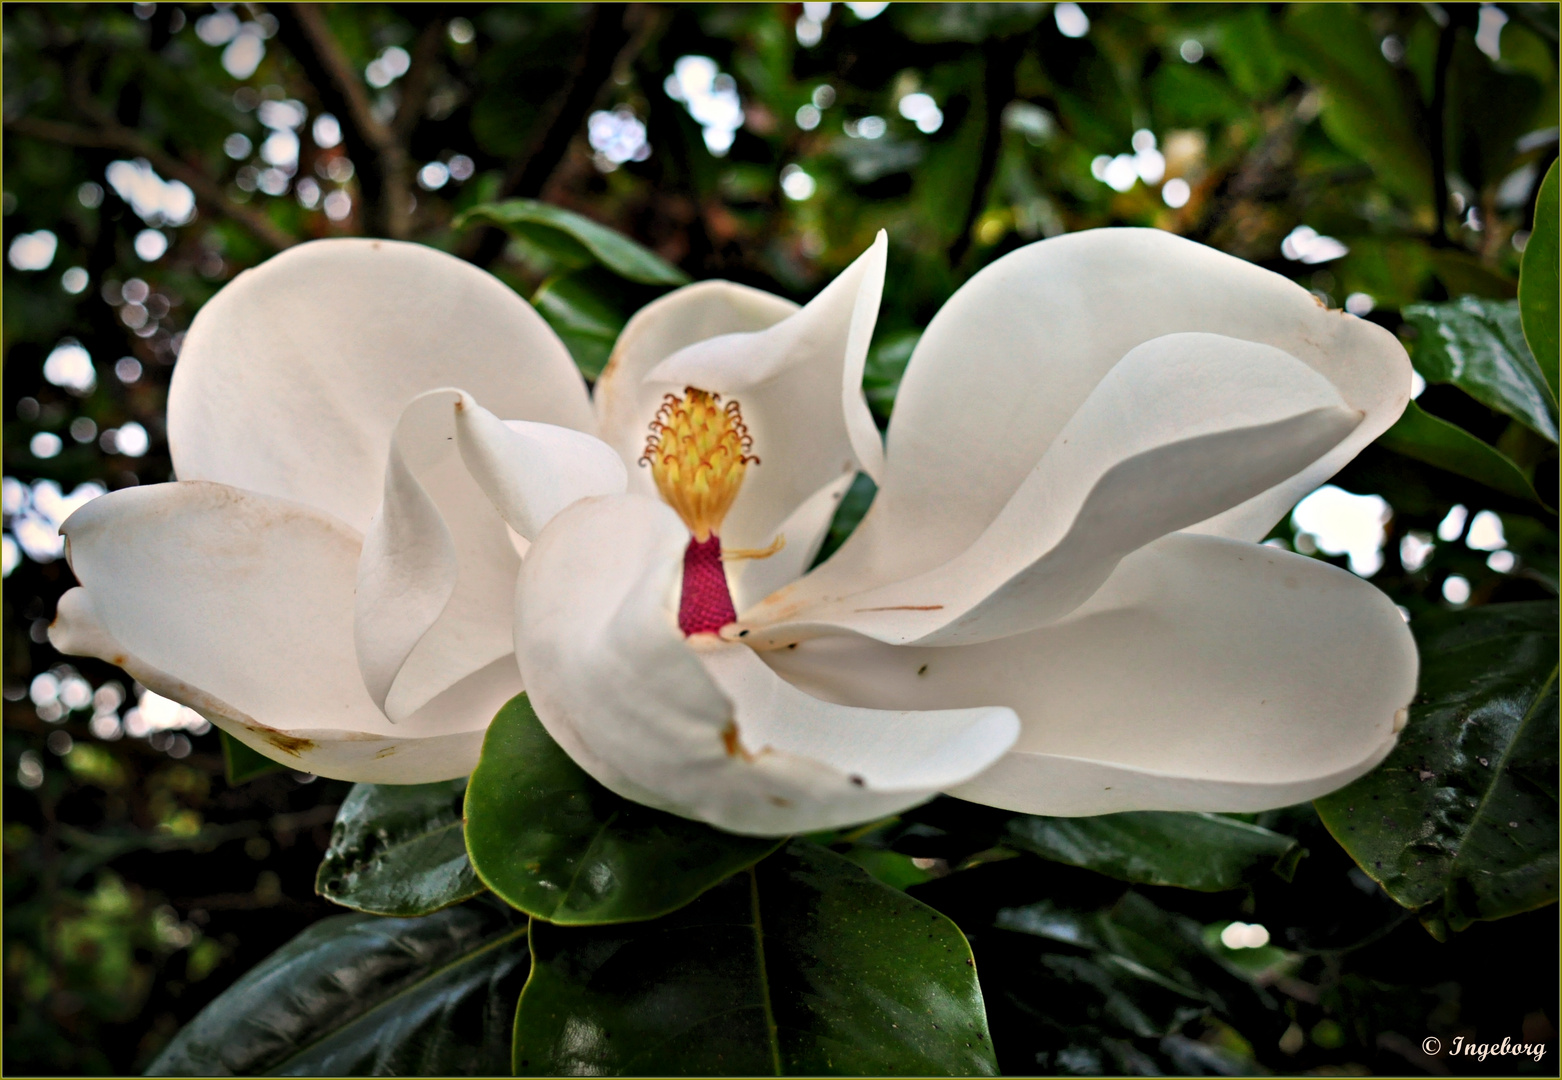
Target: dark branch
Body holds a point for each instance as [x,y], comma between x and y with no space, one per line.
[383,175]
[111,135]
[420,77]
[606,36]
[998,66]
[1437,118]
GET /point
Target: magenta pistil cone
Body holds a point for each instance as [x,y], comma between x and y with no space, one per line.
[706,605]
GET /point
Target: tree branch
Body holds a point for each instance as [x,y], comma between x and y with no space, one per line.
[998,67]
[110,135]
[606,37]
[383,174]
[419,78]
[1437,119]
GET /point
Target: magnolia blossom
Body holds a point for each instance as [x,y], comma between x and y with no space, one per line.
[1056,604]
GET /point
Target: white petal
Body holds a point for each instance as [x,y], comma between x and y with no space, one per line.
[630,700]
[240,605]
[797,374]
[625,404]
[751,580]
[531,471]
[293,376]
[1206,674]
[1180,429]
[1017,350]
[407,572]
[437,571]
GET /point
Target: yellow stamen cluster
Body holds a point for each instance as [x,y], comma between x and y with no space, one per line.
[697,450]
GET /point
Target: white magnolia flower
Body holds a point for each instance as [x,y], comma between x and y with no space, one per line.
[269,589]
[1056,603]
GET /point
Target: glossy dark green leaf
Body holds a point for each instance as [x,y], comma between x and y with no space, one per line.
[397,849]
[1478,346]
[1124,979]
[358,995]
[558,845]
[575,239]
[803,965]
[1538,283]
[587,320]
[1461,818]
[241,763]
[1420,435]
[1195,851]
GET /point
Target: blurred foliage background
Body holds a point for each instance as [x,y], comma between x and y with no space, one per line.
[1384,156]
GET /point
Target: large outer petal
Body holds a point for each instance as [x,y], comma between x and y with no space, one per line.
[240,605]
[704,729]
[798,378]
[1017,350]
[1181,428]
[1206,674]
[292,378]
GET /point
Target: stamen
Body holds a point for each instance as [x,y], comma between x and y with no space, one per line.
[697,449]
[736,554]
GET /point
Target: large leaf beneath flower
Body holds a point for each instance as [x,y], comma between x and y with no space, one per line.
[1420,435]
[358,995]
[1463,813]
[576,241]
[804,965]
[1194,851]
[1538,283]
[397,849]
[558,845]
[1478,346]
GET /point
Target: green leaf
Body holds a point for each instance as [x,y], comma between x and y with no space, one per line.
[241,763]
[1538,282]
[1420,435]
[558,845]
[1194,851]
[1144,965]
[576,240]
[1461,818]
[1465,274]
[1364,111]
[804,965]
[1478,346]
[397,849]
[588,322]
[361,995]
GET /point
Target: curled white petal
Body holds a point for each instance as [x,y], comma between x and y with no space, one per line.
[1183,427]
[1206,674]
[240,605]
[1017,351]
[437,567]
[531,471]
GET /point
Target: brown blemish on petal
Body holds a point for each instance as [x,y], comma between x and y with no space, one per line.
[902,607]
[288,744]
[779,801]
[387,752]
[734,747]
